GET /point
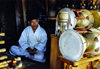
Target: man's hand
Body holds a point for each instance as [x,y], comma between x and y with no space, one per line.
[29,49]
[32,52]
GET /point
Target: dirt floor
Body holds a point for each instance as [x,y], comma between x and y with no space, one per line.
[28,64]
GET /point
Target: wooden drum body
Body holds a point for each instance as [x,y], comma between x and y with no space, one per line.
[73,45]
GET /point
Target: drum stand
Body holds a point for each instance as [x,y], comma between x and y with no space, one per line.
[84,63]
[87,62]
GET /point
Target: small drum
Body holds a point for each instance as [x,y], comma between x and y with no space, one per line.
[84,18]
[65,20]
[96,15]
[73,45]
[63,16]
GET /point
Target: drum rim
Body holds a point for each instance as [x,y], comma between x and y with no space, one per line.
[61,50]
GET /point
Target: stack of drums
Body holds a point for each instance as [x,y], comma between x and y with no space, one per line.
[73,44]
[84,18]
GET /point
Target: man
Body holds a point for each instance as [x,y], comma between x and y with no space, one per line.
[32,43]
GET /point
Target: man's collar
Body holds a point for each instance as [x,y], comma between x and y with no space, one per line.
[38,28]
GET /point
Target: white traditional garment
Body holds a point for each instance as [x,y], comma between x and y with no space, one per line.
[33,40]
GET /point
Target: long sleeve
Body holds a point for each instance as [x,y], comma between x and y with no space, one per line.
[41,46]
[23,40]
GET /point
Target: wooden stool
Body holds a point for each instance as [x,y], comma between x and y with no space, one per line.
[84,63]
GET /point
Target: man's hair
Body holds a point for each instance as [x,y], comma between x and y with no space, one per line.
[33,15]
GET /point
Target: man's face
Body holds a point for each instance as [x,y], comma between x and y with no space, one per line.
[34,23]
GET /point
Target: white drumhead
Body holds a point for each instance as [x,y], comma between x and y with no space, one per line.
[71,45]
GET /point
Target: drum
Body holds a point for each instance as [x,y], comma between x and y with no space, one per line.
[73,45]
[84,18]
[63,16]
[93,41]
[96,15]
[65,20]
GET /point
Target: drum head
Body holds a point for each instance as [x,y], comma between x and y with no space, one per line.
[71,45]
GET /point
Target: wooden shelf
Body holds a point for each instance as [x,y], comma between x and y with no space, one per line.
[51,18]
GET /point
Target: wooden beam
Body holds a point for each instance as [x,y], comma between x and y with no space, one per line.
[24,12]
[46,1]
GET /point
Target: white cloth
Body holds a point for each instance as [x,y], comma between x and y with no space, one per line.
[33,40]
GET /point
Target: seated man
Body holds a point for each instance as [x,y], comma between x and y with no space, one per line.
[32,43]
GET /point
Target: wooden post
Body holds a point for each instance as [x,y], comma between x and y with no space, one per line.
[24,12]
[55,62]
[46,1]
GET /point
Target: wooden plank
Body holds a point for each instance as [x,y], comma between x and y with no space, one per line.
[2,50]
[87,60]
[65,61]
[3,57]
[2,34]
[2,42]
[53,53]
[51,18]
[82,61]
[55,63]
[5,62]
[2,66]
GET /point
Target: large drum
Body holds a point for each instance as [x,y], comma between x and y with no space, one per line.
[96,15]
[73,45]
[84,18]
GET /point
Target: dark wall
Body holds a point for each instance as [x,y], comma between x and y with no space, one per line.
[8,21]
